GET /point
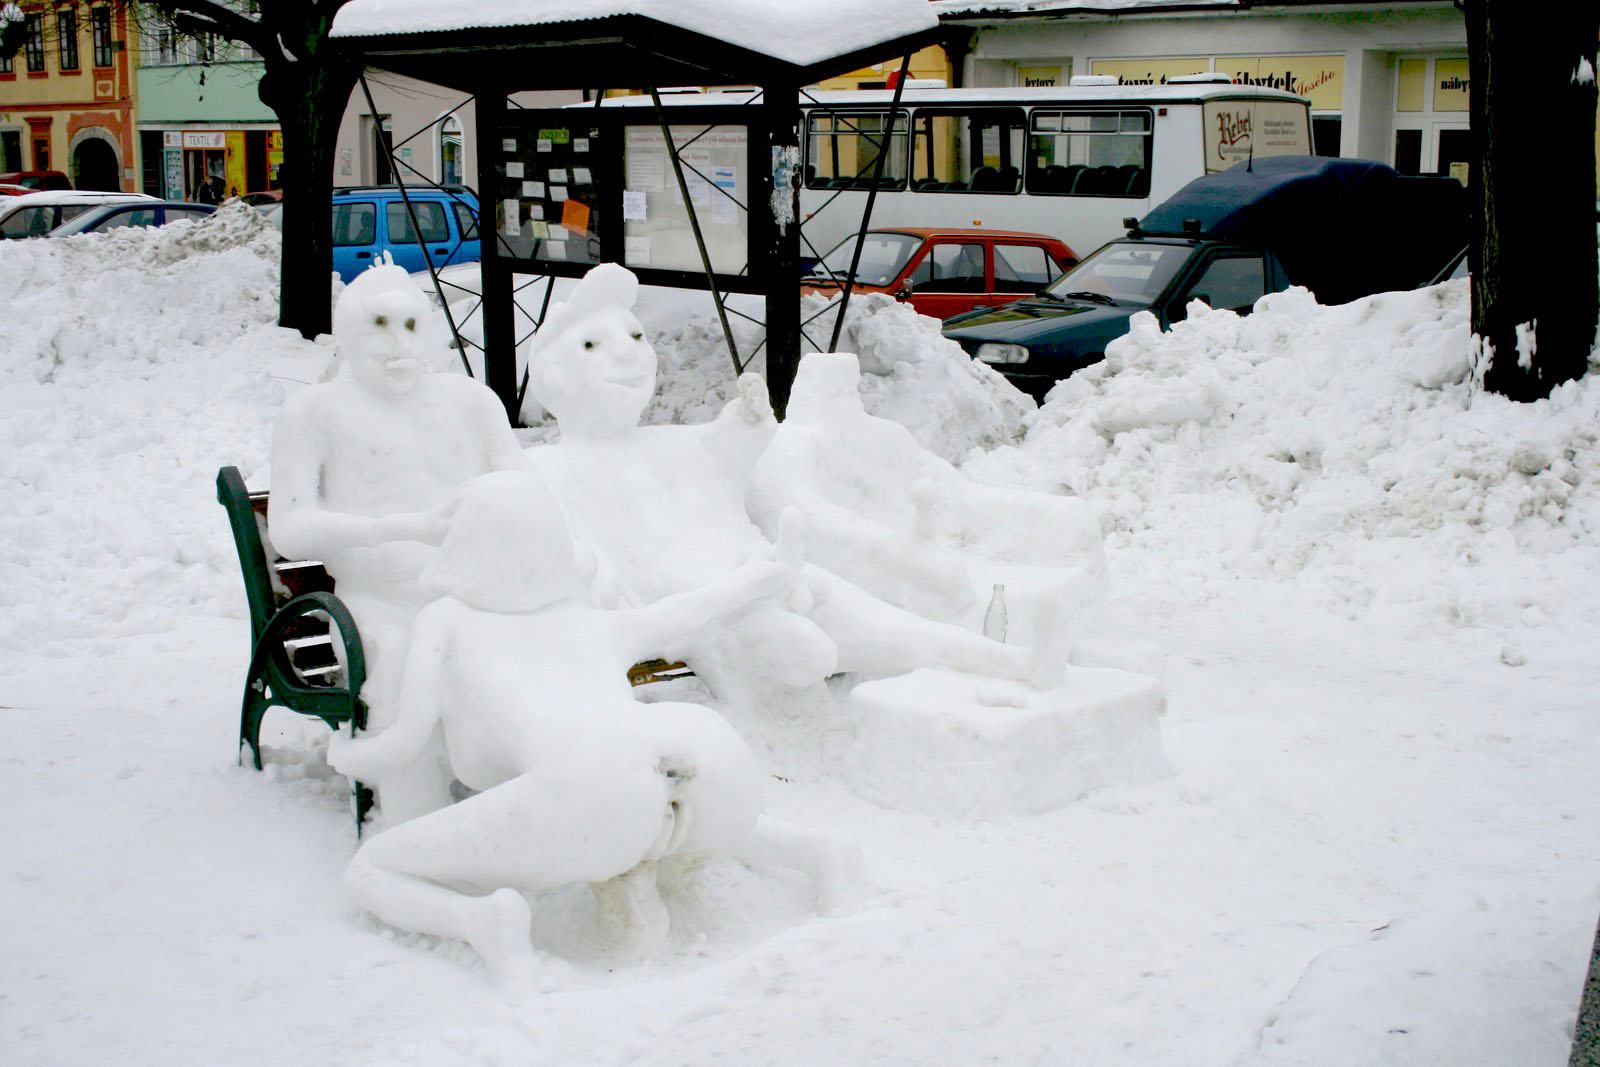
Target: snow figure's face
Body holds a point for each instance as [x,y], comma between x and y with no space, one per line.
[379,326]
[826,384]
[598,374]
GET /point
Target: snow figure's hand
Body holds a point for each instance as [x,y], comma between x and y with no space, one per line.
[811,588]
[349,757]
[429,527]
[763,578]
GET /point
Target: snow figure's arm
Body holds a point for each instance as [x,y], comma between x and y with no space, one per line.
[417,706]
[742,430]
[668,627]
[500,447]
[302,527]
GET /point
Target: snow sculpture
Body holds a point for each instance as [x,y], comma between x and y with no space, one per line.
[665,505]
[577,781]
[884,513]
[365,471]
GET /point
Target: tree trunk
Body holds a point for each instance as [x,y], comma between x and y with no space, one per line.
[1532,192]
[309,99]
[1586,1036]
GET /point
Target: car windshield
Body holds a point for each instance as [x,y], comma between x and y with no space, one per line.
[883,256]
[1123,271]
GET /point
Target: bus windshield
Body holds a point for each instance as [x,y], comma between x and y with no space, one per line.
[1122,272]
[883,256]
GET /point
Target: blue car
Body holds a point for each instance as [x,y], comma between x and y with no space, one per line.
[370,220]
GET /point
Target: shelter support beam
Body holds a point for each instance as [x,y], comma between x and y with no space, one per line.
[780,122]
[499,306]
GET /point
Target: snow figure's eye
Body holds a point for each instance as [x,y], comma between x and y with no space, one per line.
[638,337]
[381,320]
[588,344]
[411,324]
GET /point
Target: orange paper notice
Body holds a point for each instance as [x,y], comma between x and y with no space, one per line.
[575,215]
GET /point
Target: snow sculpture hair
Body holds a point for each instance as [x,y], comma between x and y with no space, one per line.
[508,549]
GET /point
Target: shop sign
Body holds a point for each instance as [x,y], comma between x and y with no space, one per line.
[208,140]
[171,139]
[1038,77]
[1450,82]
[1149,71]
[1318,78]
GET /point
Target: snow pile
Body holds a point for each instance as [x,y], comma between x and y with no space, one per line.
[132,365]
[1347,440]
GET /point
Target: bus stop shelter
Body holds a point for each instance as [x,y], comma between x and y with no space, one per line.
[702,196]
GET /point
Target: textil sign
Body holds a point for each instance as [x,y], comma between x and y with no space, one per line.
[1319,78]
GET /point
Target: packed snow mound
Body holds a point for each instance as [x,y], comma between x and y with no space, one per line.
[132,366]
[1301,435]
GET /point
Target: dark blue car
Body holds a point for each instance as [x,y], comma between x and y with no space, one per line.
[1343,228]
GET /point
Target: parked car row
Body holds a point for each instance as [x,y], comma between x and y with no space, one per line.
[371,220]
[62,213]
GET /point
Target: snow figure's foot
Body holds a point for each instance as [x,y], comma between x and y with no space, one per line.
[633,917]
[498,928]
[832,860]
[839,873]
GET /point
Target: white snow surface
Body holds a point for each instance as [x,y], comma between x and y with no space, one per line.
[957,8]
[801,34]
[1376,590]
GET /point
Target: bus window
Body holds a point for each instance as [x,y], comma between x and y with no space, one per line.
[842,149]
[967,151]
[1089,153]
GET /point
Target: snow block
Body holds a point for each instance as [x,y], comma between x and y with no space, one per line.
[957,744]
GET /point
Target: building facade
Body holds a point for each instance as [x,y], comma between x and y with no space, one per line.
[1387,81]
[67,99]
[200,118]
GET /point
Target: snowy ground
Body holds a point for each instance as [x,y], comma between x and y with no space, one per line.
[1375,593]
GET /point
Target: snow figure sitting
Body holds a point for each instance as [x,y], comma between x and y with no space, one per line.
[910,527]
[365,471]
[577,781]
[665,507]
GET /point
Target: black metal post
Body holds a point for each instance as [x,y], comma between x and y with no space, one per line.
[499,305]
[1586,1037]
[780,120]
[872,198]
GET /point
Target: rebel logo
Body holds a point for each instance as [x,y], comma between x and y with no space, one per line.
[1231,130]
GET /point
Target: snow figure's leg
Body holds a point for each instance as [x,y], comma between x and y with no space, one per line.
[630,910]
[423,785]
[833,862]
[393,877]
[876,638]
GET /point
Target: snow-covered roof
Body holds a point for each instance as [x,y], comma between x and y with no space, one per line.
[801,33]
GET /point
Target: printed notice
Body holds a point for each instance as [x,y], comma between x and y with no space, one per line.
[509,145]
[558,232]
[535,211]
[558,193]
[580,144]
[575,216]
[542,144]
[634,205]
[514,170]
[724,208]
[539,230]
[646,171]
[510,225]
[555,250]
[533,189]
[699,190]
[636,251]
[558,175]
[580,176]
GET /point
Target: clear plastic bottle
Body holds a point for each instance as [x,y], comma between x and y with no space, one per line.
[994,620]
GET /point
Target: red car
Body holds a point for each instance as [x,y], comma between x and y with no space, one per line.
[35,180]
[945,272]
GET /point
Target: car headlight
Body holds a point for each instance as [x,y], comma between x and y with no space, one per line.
[993,353]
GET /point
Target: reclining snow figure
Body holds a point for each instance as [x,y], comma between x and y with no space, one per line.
[884,513]
[365,471]
[665,507]
[577,781]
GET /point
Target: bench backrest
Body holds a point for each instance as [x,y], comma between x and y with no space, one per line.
[248,541]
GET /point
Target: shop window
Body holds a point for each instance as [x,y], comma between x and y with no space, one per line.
[1089,153]
[450,153]
[41,153]
[380,147]
[33,45]
[967,151]
[1455,154]
[430,217]
[1408,151]
[1325,133]
[842,149]
[1411,84]
[67,36]
[100,27]
[950,268]
[11,150]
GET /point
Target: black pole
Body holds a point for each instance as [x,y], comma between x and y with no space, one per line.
[780,106]
[416,228]
[494,270]
[694,224]
[872,197]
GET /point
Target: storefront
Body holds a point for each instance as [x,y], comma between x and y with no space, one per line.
[1386,81]
[235,161]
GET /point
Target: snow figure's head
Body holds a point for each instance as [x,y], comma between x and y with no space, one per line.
[590,365]
[827,385]
[380,327]
[508,549]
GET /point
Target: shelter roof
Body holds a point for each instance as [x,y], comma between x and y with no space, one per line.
[537,44]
